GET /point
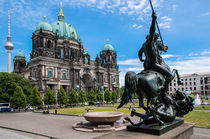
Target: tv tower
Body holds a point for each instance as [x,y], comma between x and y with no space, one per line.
[9,46]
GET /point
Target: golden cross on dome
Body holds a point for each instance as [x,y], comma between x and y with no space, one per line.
[61,11]
[44,18]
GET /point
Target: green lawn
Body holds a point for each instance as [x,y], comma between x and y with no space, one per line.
[82,110]
[203,107]
[207,101]
[126,105]
[200,118]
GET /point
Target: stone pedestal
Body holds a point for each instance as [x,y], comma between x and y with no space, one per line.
[181,132]
[155,129]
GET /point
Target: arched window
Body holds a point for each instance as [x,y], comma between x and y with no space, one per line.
[61,52]
[64,76]
[49,73]
[48,44]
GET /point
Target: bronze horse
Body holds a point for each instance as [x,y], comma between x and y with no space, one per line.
[160,107]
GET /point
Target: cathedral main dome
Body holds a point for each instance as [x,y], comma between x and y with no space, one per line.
[60,28]
[65,30]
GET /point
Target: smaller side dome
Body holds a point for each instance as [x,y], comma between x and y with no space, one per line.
[20,54]
[44,26]
[108,47]
[86,52]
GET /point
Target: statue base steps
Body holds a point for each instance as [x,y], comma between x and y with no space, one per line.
[155,129]
[184,131]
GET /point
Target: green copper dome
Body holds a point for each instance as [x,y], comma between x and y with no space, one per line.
[20,54]
[65,30]
[44,26]
[60,28]
[108,47]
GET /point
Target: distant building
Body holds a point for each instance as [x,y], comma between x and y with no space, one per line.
[59,59]
[196,83]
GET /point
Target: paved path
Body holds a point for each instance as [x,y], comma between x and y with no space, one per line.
[50,125]
[57,126]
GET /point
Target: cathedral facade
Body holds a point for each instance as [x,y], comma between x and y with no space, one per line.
[59,59]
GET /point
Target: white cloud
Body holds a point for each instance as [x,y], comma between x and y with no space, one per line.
[131,62]
[29,13]
[192,65]
[206,14]
[193,54]
[137,26]
[165,25]
[174,7]
[167,56]
[165,22]
[185,65]
[166,18]
[205,52]
[122,78]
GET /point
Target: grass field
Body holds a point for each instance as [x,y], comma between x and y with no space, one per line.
[82,110]
[203,107]
[200,118]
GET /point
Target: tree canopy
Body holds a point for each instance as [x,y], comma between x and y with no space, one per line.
[114,96]
[73,97]
[81,96]
[19,98]
[49,97]
[92,96]
[107,96]
[62,97]
[35,98]
[8,84]
[100,96]
[122,91]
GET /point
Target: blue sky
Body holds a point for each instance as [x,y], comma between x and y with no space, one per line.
[184,27]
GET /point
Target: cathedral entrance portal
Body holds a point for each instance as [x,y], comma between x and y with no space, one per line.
[88,82]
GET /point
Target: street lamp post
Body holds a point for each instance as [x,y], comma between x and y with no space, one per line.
[56,95]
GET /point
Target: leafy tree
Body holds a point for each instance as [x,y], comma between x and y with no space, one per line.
[107,96]
[62,97]
[114,96]
[49,98]
[4,98]
[73,97]
[8,84]
[19,98]
[81,97]
[92,96]
[121,91]
[100,96]
[35,98]
[134,96]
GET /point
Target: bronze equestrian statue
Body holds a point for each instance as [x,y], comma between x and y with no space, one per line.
[153,83]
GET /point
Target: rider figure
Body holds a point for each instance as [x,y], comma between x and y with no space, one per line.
[153,60]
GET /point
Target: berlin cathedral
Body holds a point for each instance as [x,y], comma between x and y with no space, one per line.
[59,59]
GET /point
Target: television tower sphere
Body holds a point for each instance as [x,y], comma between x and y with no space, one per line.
[8,44]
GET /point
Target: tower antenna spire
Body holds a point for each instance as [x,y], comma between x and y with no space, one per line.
[9,46]
[8,23]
